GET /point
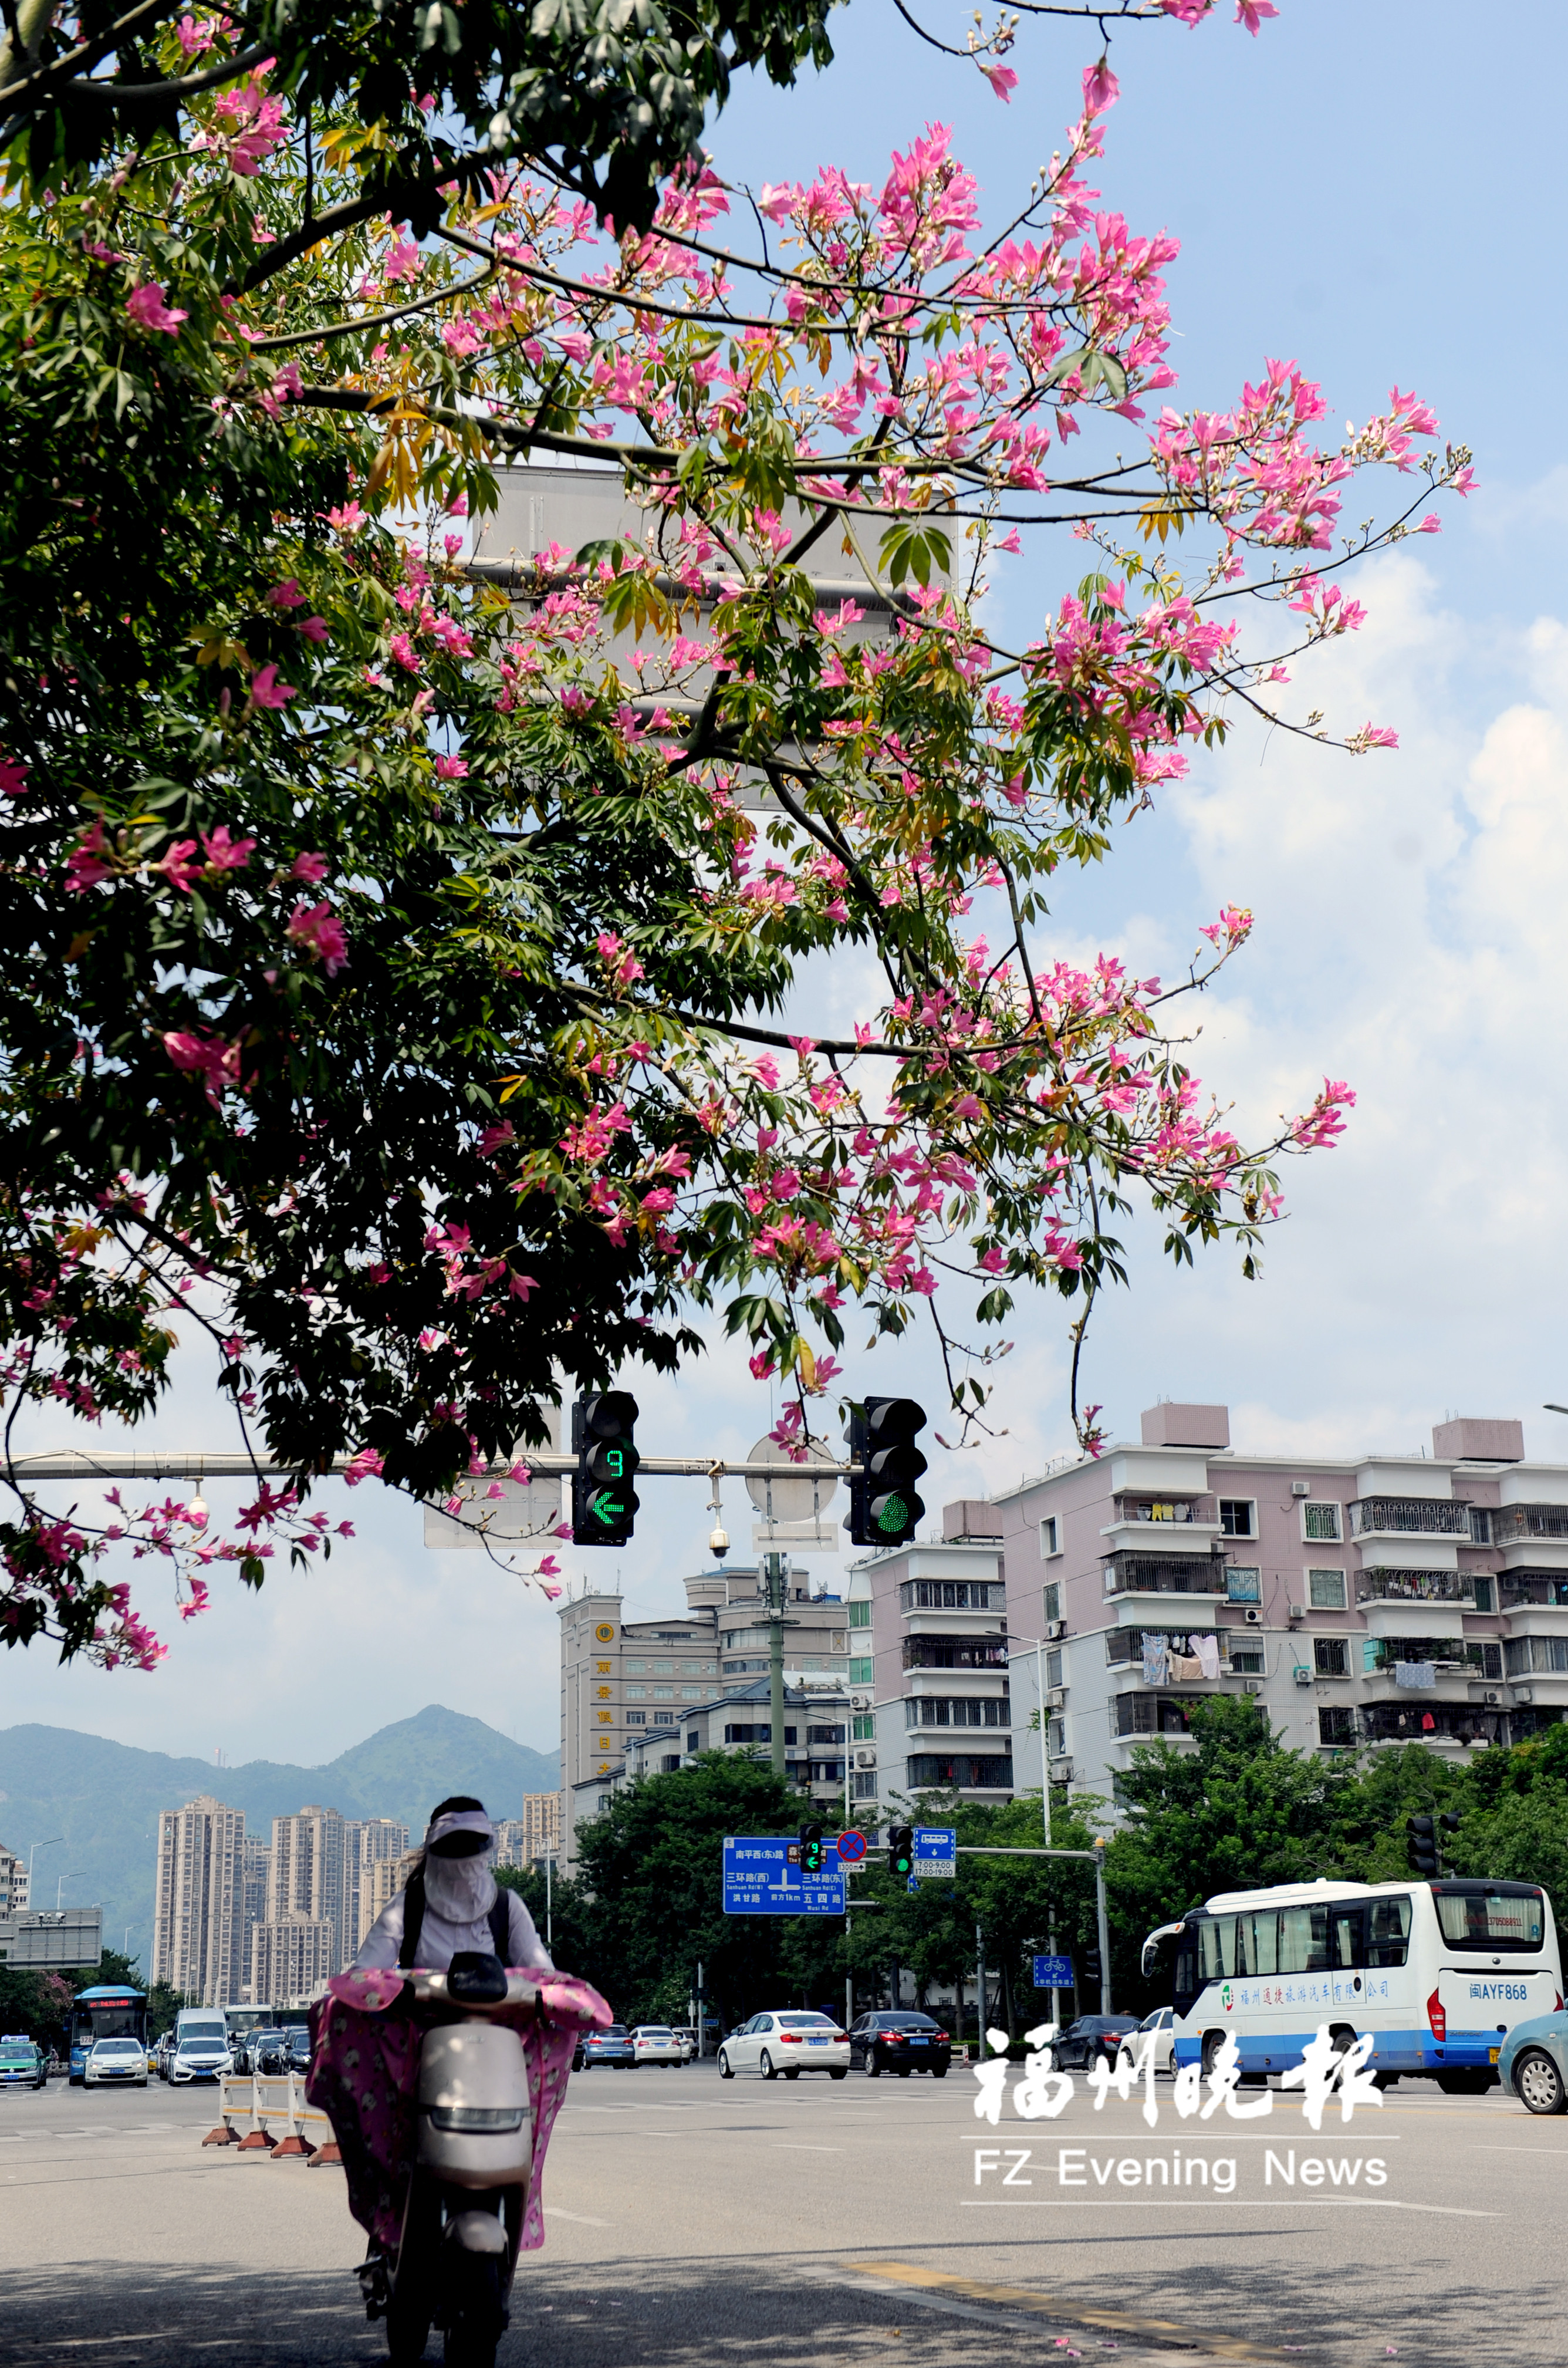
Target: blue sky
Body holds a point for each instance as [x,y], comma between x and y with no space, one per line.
[1376,192]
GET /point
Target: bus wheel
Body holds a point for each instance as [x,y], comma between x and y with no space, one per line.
[1539,2084]
[1212,2042]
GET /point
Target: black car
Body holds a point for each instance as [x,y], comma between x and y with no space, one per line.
[298,2058]
[1091,2035]
[270,2051]
[896,2040]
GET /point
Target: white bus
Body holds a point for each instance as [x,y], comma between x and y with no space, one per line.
[1437,1972]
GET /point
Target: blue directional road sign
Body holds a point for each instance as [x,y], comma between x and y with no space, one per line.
[935,1850]
[1053,1973]
[763,1877]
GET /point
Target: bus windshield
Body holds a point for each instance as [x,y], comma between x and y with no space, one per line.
[1496,1917]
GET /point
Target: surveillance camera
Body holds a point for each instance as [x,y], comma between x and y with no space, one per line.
[719,1545]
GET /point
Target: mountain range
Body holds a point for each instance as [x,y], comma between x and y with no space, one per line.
[104,1798]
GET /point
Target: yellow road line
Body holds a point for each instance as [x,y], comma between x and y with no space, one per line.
[1028,2298]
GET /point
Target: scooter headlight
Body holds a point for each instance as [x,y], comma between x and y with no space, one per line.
[490,2119]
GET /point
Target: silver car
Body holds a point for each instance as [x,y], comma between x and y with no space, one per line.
[119,2062]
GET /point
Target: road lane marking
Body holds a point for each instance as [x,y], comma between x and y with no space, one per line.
[904,2276]
[786,2146]
[559,2212]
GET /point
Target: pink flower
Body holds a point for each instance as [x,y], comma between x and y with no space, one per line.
[176,866]
[366,1465]
[147,309]
[1101,88]
[349,520]
[1002,80]
[762,1364]
[286,595]
[266,691]
[309,867]
[206,1057]
[318,928]
[13,778]
[404,651]
[451,768]
[84,866]
[226,854]
[1251,13]
[314,629]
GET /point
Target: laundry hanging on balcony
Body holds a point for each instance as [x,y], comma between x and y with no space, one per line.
[1208,1651]
[1188,1668]
[1416,1677]
[1155,1664]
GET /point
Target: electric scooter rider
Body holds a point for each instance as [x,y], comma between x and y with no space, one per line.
[451,1902]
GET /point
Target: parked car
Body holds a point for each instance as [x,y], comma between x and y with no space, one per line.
[163,2048]
[22,2062]
[1091,2035]
[1161,2024]
[1533,2063]
[119,2062]
[789,2043]
[686,2035]
[655,2042]
[897,2040]
[600,2047]
[299,2056]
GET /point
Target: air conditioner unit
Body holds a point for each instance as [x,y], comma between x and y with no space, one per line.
[1303,1675]
[1061,1772]
[1056,1697]
[1253,1616]
[1493,1700]
[1297,1611]
[865,1760]
[860,1702]
[1300,1487]
[1053,1629]
[1251,1686]
[1524,1693]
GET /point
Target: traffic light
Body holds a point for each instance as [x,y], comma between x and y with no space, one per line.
[901,1852]
[810,1850]
[1421,1845]
[604,1502]
[1089,1968]
[884,1507]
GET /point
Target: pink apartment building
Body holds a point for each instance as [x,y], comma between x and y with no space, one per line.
[1386,1599]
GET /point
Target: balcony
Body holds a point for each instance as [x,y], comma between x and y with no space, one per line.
[1409,1517]
[1415,1586]
[1154,1574]
[1182,1524]
[1536,1657]
[1517,1589]
[1451,1656]
[1430,1722]
[1153,1716]
[1511,1522]
[1202,1510]
[963,1771]
[954,1653]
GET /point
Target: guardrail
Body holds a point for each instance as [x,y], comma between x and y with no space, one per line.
[262,2100]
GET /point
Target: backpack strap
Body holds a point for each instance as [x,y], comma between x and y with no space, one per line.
[413,1920]
[500,1925]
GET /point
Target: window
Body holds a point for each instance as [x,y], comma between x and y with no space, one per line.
[1485,1599]
[1243,1584]
[951,1595]
[860,1614]
[1338,1725]
[636,1718]
[1320,1524]
[1049,1538]
[1056,1738]
[866,1785]
[1388,1931]
[861,1671]
[1237,1518]
[1483,1919]
[1053,1600]
[748,1734]
[1325,1589]
[825,1734]
[1547,1656]
[636,1693]
[638,1669]
[693,1739]
[663,1694]
[1246,1660]
[962,1710]
[1480,1529]
[1053,1669]
[1331,1656]
[664,1668]
[863,1728]
[664,1718]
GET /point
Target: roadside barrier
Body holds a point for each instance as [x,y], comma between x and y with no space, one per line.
[264,2101]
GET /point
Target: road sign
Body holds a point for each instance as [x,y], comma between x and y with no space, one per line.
[1053,1973]
[852,1846]
[913,1884]
[935,1850]
[759,1879]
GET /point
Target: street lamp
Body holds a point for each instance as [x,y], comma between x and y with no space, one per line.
[1036,1645]
[38,1846]
[61,1884]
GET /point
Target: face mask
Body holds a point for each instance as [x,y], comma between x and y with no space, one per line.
[462,1890]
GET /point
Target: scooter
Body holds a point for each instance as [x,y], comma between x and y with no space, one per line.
[463,2220]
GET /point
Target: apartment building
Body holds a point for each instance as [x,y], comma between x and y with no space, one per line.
[1382,1599]
[13,1881]
[310,1862]
[199,1929]
[534,1836]
[815,1734]
[930,1699]
[380,1880]
[620,1680]
[293,1958]
[368,1843]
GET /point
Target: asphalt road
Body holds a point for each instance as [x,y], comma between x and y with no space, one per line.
[747,2224]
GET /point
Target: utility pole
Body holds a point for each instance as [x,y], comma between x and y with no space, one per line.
[979,1991]
[1102,1926]
[776,1569]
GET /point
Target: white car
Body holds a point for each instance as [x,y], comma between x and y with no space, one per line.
[655,2042]
[787,2043]
[116,2060]
[200,2058]
[1161,2027]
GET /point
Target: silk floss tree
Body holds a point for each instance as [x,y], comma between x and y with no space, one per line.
[406,969]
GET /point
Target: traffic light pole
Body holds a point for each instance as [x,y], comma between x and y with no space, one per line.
[775,1566]
[1096,1858]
